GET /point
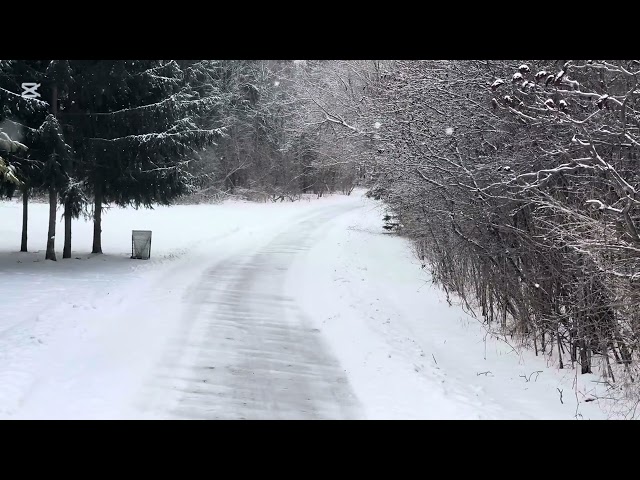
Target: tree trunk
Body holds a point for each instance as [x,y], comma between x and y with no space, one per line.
[53,195]
[585,357]
[561,364]
[25,217]
[51,239]
[609,369]
[66,252]
[97,218]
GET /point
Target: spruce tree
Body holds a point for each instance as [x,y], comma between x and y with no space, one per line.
[57,154]
[60,77]
[20,118]
[133,126]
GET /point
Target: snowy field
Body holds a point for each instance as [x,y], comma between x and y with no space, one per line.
[290,310]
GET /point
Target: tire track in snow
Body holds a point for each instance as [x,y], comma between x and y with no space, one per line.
[250,352]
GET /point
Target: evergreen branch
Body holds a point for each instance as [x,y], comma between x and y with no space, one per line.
[173,98]
[146,137]
[40,103]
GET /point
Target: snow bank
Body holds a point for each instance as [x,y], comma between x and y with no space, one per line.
[408,353]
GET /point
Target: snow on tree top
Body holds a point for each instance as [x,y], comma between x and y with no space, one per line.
[524,68]
[542,73]
[602,101]
[527,84]
[516,77]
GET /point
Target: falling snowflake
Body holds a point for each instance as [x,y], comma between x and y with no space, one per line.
[537,285]
[448,131]
[276,83]
[377,125]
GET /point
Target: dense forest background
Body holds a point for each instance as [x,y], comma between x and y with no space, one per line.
[517,181]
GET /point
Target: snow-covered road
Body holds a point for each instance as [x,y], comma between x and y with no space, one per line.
[249,352]
[305,310]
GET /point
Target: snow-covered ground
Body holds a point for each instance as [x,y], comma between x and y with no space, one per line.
[290,310]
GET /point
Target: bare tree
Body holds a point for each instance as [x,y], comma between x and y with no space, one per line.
[518,181]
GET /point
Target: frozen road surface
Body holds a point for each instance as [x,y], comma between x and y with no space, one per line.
[305,310]
[250,352]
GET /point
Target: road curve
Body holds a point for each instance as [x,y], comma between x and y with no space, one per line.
[249,352]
